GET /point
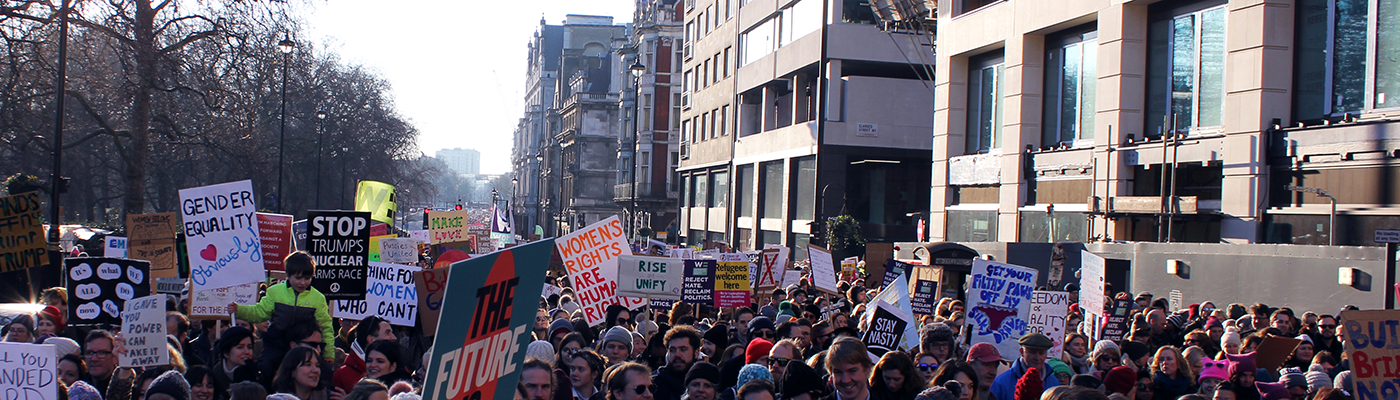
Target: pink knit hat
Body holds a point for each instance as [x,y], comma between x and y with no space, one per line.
[1215,369]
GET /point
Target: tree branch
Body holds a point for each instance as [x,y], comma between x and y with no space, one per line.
[189,39]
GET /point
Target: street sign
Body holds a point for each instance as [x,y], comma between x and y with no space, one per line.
[1305,189]
[1388,236]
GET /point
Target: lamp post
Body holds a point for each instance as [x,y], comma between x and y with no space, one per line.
[59,186]
[637,70]
[320,131]
[539,189]
[285,47]
[514,191]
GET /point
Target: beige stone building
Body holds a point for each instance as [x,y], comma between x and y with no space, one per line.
[1067,120]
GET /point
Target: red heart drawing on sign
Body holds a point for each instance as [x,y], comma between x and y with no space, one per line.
[209,253]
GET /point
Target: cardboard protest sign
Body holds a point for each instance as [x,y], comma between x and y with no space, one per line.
[429,285]
[591,256]
[1115,324]
[221,232]
[773,266]
[98,287]
[31,371]
[886,328]
[823,269]
[479,351]
[657,277]
[339,241]
[1372,351]
[923,302]
[448,226]
[1275,350]
[22,233]
[172,285]
[755,264]
[114,246]
[390,294]
[376,198]
[374,246]
[275,231]
[1091,298]
[213,303]
[143,328]
[699,285]
[421,236]
[1048,312]
[732,281]
[896,295]
[398,250]
[893,269]
[848,268]
[999,304]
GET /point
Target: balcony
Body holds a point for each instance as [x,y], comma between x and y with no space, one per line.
[623,192]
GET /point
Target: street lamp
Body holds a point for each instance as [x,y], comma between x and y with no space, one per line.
[539,188]
[637,70]
[320,130]
[285,47]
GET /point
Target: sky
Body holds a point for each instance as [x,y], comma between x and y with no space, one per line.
[457,68]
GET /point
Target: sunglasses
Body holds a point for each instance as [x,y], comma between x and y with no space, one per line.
[1144,386]
[927,367]
[778,361]
[623,321]
[639,389]
[763,334]
[571,352]
[1327,326]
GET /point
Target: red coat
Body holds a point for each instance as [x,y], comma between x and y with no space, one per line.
[349,374]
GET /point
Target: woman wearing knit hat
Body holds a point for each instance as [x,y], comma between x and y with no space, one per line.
[1105,357]
[1120,383]
[753,372]
[1302,355]
[1242,371]
[1230,342]
[702,381]
[1212,374]
[50,322]
[20,329]
[170,385]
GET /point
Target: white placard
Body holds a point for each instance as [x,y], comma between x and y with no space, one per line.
[214,302]
[591,256]
[999,303]
[1048,312]
[143,329]
[1091,299]
[823,269]
[390,293]
[658,277]
[221,233]
[115,247]
[34,368]
[398,250]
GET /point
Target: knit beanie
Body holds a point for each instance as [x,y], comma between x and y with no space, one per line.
[1030,386]
[1214,323]
[1086,381]
[570,307]
[1305,338]
[1058,367]
[703,370]
[558,324]
[760,323]
[757,348]
[64,346]
[1136,350]
[1317,381]
[1230,337]
[1293,377]
[1343,381]
[1212,369]
[170,383]
[230,339]
[56,316]
[1119,380]
[752,372]
[83,391]
[540,350]
[1102,346]
[1242,363]
[1273,390]
[617,334]
[933,393]
[22,319]
[800,378]
[719,335]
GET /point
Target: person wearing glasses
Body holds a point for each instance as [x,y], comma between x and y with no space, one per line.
[926,364]
[102,362]
[20,329]
[632,381]
[760,328]
[782,352]
[617,315]
[1326,337]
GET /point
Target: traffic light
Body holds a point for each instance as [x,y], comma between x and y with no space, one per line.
[459,207]
[425,217]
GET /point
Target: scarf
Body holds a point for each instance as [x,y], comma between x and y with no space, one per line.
[1081,365]
[1174,386]
[355,347]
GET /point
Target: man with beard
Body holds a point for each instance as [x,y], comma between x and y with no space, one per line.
[849,366]
[1326,337]
[682,344]
[537,379]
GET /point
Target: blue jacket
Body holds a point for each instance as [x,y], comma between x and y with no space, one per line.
[1004,387]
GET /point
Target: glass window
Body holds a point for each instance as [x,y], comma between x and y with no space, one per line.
[972,226]
[757,42]
[688,192]
[723,120]
[769,237]
[1186,71]
[800,19]
[858,12]
[702,190]
[1070,82]
[1042,227]
[772,190]
[799,246]
[1388,54]
[805,188]
[644,168]
[984,107]
[721,191]
[743,191]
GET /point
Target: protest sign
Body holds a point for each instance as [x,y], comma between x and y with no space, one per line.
[143,328]
[99,286]
[421,236]
[896,295]
[791,277]
[378,229]
[823,269]
[390,294]
[1115,324]
[299,234]
[448,226]
[1372,352]
[755,263]
[429,285]
[642,276]
[339,241]
[398,250]
[1091,298]
[551,290]
[732,281]
[275,231]
[479,351]
[1273,351]
[886,328]
[999,303]
[114,246]
[684,253]
[30,371]
[591,256]
[213,303]
[172,285]
[699,285]
[151,237]
[221,232]
[772,267]
[376,198]
[22,233]
[922,302]
[848,268]
[893,269]
[374,246]
[1048,312]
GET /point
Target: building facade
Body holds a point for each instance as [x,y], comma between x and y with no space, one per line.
[531,136]
[1191,121]
[796,111]
[647,186]
[462,161]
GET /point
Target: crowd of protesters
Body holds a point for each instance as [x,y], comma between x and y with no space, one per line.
[794,343]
